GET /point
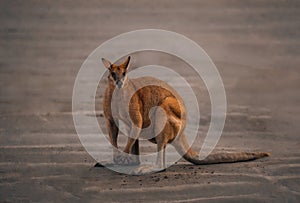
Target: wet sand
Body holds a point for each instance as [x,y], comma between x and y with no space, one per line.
[255,46]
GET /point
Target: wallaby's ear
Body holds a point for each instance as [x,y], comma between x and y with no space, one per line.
[126,62]
[106,63]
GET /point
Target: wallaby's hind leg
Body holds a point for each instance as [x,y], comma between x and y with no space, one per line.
[173,126]
[136,151]
[120,158]
[161,156]
[161,140]
[130,154]
[159,166]
[125,158]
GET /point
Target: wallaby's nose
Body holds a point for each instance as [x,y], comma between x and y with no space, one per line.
[119,83]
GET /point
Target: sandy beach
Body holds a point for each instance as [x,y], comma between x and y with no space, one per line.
[255,46]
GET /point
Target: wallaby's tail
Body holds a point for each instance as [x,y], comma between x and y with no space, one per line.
[226,157]
[181,145]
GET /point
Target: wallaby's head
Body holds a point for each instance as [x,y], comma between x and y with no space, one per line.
[117,73]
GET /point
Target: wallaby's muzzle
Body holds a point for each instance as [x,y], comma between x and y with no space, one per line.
[119,84]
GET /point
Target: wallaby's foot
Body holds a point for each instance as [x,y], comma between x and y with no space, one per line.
[126,159]
[104,164]
[145,169]
[98,165]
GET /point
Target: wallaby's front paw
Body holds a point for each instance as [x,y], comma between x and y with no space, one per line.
[125,159]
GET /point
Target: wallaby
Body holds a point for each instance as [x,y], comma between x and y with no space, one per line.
[137,115]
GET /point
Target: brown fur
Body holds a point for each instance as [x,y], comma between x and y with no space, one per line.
[164,96]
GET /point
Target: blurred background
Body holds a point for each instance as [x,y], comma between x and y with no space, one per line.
[254,44]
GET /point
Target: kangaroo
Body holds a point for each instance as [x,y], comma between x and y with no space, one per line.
[139,115]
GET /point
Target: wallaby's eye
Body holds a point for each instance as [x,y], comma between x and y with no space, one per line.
[114,75]
[124,73]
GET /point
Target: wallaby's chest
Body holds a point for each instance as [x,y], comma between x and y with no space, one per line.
[120,104]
